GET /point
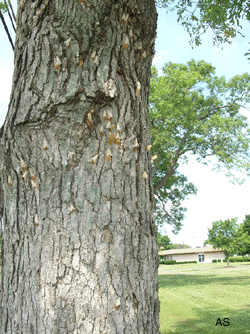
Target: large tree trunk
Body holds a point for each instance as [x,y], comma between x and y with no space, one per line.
[79,241]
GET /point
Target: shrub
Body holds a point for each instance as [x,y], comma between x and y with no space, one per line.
[219,260]
[170,262]
[214,261]
[238,259]
[184,262]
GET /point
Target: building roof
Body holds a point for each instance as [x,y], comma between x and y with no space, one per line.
[190,250]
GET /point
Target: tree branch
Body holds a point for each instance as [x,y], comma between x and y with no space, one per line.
[219,107]
[172,168]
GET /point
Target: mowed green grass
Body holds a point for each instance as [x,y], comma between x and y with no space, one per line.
[193,297]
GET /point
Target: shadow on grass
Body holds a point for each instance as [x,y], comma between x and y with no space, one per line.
[186,280]
[227,320]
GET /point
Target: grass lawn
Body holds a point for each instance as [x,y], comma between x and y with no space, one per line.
[194,296]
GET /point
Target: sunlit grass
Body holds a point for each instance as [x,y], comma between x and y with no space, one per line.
[193,298]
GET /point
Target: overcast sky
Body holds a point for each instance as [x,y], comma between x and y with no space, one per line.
[217,198]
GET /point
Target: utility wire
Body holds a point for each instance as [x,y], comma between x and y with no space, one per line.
[12,11]
[10,17]
[6,29]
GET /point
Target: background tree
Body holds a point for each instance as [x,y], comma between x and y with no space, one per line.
[163,241]
[79,244]
[246,224]
[194,112]
[180,246]
[223,17]
[223,235]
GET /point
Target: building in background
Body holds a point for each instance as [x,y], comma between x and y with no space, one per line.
[199,254]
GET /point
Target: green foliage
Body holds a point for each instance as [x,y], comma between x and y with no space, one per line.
[163,241]
[192,111]
[223,235]
[223,17]
[219,260]
[239,259]
[246,224]
[185,262]
[3,6]
[214,261]
[170,262]
[180,246]
[176,189]
[242,239]
[245,236]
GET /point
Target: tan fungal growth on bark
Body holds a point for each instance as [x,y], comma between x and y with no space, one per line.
[138,88]
[116,139]
[10,181]
[131,34]
[108,155]
[145,175]
[144,55]
[36,221]
[89,120]
[125,18]
[67,42]
[94,159]
[109,126]
[80,63]
[93,55]
[34,184]
[110,139]
[105,117]
[148,147]
[117,304]
[45,146]
[138,45]
[57,63]
[82,2]
[101,131]
[126,42]
[153,158]
[110,116]
[33,176]
[72,208]
[136,145]
[22,176]
[23,165]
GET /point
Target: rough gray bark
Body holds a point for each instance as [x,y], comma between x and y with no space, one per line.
[79,241]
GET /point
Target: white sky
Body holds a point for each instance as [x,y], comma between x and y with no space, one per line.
[217,198]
